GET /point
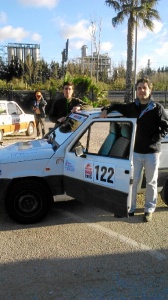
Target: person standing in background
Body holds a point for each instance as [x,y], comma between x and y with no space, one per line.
[39,113]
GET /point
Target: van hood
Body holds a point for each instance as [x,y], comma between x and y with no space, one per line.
[23,151]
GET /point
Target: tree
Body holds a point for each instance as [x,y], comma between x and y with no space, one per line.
[29,69]
[96,44]
[13,70]
[54,70]
[137,12]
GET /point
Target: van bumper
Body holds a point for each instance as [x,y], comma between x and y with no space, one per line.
[4,184]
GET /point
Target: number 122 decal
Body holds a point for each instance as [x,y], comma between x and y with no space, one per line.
[102,173]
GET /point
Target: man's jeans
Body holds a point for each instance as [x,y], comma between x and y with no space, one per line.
[150,163]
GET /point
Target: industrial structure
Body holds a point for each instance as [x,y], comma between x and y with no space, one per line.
[95,63]
[21,51]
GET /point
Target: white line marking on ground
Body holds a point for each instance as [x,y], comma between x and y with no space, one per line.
[157,254]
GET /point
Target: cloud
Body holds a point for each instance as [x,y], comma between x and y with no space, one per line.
[36,37]
[162,52]
[156,59]
[40,3]
[17,34]
[9,32]
[143,32]
[3,17]
[157,26]
[106,46]
[157,54]
[79,34]
[143,61]
[77,30]
[76,45]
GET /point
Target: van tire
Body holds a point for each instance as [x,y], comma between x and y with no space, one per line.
[28,201]
[164,193]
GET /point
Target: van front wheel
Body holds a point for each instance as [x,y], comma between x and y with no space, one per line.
[28,201]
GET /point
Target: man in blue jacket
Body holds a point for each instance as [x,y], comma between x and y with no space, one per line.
[152,125]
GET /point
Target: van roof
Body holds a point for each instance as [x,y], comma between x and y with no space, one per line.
[96,112]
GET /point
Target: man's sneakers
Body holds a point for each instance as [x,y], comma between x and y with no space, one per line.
[147,217]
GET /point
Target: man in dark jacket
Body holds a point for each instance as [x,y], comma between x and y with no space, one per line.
[152,125]
[64,105]
[39,113]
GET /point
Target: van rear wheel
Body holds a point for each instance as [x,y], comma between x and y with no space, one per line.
[28,201]
[164,193]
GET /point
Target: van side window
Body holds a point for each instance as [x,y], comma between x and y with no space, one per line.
[102,144]
[113,141]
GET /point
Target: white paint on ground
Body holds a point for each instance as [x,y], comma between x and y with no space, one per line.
[139,246]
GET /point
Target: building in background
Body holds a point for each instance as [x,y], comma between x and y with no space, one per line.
[21,51]
[96,63]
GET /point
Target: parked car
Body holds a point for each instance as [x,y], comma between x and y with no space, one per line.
[14,120]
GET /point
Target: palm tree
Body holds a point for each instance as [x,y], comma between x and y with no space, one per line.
[137,12]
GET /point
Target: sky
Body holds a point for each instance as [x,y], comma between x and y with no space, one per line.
[50,23]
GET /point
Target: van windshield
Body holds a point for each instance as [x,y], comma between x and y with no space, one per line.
[72,123]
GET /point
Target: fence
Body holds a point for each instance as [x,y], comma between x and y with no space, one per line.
[25,98]
[158,96]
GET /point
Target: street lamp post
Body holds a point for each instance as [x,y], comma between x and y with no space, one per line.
[135,60]
[135,56]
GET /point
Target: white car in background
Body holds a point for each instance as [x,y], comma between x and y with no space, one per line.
[14,120]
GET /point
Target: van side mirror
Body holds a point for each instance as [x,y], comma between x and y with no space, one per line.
[79,151]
